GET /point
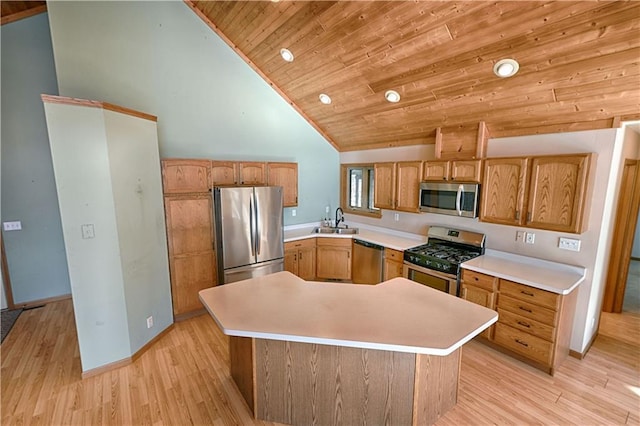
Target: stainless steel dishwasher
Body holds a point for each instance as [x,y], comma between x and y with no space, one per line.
[367,262]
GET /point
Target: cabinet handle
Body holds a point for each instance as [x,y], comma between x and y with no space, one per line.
[520,342]
[524,324]
[295,257]
[517,214]
[476,278]
[524,309]
[300,256]
[526,293]
[444,178]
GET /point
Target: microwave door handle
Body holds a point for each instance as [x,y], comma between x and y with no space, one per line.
[459,199]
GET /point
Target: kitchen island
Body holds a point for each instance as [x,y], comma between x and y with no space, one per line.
[326,353]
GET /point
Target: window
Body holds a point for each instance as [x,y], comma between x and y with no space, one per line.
[358,188]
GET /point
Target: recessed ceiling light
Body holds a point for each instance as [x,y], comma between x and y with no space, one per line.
[324,98]
[506,68]
[392,96]
[286,54]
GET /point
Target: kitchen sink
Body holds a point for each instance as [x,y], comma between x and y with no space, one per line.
[329,230]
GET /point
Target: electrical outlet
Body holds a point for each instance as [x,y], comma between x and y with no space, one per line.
[88,231]
[150,321]
[326,209]
[529,237]
[396,217]
[293,212]
[569,244]
[520,236]
[12,226]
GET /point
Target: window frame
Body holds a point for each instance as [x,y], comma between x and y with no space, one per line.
[345,191]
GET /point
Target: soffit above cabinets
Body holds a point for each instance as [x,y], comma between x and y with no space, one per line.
[578,64]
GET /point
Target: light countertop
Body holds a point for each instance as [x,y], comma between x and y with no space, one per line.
[396,315]
[394,240]
[551,276]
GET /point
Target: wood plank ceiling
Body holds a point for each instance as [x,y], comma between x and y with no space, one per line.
[579,64]
[14,10]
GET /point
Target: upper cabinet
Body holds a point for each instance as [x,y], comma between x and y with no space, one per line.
[503,188]
[461,142]
[553,189]
[397,185]
[454,170]
[185,176]
[385,185]
[252,173]
[557,192]
[286,176]
[224,173]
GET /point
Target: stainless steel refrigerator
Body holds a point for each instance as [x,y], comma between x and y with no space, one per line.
[249,232]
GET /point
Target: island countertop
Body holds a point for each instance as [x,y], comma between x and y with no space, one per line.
[396,315]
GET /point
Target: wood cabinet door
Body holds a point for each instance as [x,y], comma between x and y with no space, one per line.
[191,254]
[184,176]
[333,263]
[286,176]
[252,173]
[503,191]
[436,170]
[385,190]
[224,173]
[481,297]
[466,171]
[392,269]
[291,260]
[557,192]
[307,263]
[408,175]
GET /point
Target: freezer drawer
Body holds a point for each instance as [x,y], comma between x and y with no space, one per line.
[252,271]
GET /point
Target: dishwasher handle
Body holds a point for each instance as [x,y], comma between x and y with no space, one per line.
[368,244]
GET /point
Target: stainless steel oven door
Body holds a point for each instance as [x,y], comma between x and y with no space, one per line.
[430,278]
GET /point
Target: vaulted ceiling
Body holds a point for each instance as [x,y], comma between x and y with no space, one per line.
[579,64]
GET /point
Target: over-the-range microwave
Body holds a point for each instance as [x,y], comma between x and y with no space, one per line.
[456,199]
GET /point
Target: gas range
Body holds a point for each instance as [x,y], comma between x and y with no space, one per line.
[437,263]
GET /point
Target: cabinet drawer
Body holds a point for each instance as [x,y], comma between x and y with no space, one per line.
[391,254]
[477,279]
[298,244]
[527,325]
[530,294]
[523,343]
[527,310]
[334,242]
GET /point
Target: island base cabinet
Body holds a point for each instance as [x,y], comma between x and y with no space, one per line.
[303,383]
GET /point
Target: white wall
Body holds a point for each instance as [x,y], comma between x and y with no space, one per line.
[595,240]
[83,179]
[159,57]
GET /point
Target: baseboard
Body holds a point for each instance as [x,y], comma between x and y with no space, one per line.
[580,355]
[107,367]
[150,343]
[128,360]
[187,315]
[40,302]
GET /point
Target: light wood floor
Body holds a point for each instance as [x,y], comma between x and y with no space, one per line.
[183,379]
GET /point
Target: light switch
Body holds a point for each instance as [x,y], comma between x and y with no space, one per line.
[88,231]
[12,226]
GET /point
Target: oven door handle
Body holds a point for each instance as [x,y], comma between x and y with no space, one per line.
[459,199]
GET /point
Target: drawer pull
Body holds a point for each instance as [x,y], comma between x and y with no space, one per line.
[300,256]
[520,342]
[522,308]
[526,293]
[524,324]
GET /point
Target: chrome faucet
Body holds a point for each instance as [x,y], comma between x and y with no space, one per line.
[341,218]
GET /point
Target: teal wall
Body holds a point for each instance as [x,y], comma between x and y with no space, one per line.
[160,58]
[35,255]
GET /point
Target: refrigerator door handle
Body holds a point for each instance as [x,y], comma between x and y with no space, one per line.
[257,228]
[252,226]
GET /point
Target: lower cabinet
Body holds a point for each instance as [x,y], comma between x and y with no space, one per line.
[392,264]
[533,324]
[300,258]
[480,289]
[333,259]
[192,261]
